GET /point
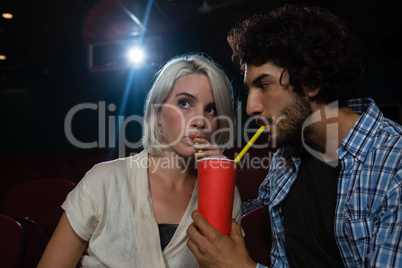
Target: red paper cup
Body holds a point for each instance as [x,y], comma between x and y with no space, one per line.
[216,186]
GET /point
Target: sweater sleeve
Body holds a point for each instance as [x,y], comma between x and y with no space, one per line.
[83,204]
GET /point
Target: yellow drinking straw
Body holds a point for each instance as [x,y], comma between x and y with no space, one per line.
[249,143]
[200,151]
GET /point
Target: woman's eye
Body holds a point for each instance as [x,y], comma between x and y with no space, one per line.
[211,110]
[184,103]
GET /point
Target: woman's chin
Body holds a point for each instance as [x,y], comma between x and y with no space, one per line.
[185,151]
[189,153]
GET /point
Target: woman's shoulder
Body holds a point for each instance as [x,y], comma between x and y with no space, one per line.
[115,169]
[105,171]
[108,167]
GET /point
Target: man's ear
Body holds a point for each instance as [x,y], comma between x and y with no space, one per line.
[312,92]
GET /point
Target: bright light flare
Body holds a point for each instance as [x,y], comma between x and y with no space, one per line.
[136,55]
[7,16]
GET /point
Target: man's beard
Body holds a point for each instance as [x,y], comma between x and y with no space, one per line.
[287,128]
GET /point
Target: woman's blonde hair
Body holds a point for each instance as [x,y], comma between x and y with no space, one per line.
[163,85]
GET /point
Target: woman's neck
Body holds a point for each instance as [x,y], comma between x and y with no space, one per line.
[171,182]
[172,167]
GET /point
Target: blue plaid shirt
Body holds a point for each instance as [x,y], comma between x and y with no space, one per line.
[368,216]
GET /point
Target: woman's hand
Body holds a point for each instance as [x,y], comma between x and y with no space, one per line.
[206,149]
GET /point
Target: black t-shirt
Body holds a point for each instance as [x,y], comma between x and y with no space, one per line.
[166,232]
[308,215]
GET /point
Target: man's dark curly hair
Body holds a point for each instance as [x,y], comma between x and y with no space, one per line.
[312,44]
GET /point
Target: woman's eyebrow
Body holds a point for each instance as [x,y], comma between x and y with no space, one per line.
[211,104]
[186,94]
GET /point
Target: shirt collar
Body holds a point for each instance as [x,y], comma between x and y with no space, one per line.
[361,137]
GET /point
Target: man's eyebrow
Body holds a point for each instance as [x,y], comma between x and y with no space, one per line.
[257,80]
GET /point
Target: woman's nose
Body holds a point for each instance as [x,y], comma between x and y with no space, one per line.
[198,121]
[254,106]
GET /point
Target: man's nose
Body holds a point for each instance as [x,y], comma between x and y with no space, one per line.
[254,106]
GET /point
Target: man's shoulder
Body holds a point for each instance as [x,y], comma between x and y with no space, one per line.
[392,128]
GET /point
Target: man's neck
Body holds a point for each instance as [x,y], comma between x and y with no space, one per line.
[330,126]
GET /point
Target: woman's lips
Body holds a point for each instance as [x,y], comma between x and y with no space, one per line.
[190,138]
